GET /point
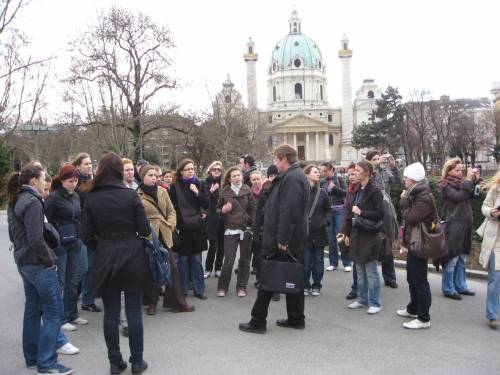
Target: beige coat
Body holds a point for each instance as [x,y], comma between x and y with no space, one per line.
[490,229]
[160,225]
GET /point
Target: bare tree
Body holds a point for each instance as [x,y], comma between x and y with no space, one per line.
[131,54]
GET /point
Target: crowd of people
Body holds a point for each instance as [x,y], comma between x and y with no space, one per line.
[79,235]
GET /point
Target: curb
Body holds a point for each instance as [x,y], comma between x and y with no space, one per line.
[473,274]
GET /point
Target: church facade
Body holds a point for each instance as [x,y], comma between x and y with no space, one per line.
[298,111]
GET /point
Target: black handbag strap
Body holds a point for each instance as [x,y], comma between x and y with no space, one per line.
[315,202]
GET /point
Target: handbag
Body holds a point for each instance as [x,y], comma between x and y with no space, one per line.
[159,265]
[363,224]
[67,232]
[282,273]
[425,243]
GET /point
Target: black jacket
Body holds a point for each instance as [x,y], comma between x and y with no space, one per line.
[214,219]
[365,247]
[285,213]
[25,220]
[318,235]
[113,217]
[62,208]
[246,176]
[338,193]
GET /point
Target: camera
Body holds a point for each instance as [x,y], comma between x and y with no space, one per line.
[340,238]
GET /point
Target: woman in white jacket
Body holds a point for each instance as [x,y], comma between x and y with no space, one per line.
[490,251]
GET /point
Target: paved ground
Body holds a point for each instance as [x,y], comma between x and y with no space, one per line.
[336,340]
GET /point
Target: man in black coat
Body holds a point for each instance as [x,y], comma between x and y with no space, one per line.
[285,229]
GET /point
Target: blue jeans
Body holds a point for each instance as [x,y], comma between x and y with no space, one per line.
[493,295]
[313,263]
[43,295]
[336,220]
[191,269]
[112,302]
[87,298]
[71,265]
[368,284]
[454,276]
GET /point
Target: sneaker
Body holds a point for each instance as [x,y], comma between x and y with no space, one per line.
[331,268]
[138,368]
[416,324]
[494,323]
[347,268]
[68,349]
[221,293]
[356,305]
[405,314]
[68,327]
[306,292]
[315,292]
[57,369]
[92,308]
[351,295]
[80,321]
[217,273]
[207,274]
[372,310]
[241,293]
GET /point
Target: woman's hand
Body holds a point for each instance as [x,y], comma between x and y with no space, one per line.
[214,187]
[347,242]
[193,188]
[227,208]
[495,212]
[471,174]
[356,210]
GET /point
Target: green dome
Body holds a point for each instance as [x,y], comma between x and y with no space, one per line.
[296,46]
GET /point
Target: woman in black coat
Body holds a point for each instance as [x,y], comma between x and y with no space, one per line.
[215,226]
[318,209]
[189,200]
[365,244]
[113,220]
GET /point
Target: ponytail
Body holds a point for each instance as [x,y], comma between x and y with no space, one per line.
[18,179]
[13,188]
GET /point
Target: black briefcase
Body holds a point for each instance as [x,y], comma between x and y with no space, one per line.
[282,273]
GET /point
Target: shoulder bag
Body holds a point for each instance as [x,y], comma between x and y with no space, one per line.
[175,236]
[158,262]
[363,224]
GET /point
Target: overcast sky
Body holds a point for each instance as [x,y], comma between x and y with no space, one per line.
[448,47]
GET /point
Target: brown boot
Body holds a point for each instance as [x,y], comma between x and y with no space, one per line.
[151,309]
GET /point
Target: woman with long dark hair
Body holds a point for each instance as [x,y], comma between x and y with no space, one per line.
[113,220]
[36,263]
[161,214]
[237,205]
[364,241]
[63,210]
[189,199]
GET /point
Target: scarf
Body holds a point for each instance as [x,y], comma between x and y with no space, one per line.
[236,188]
[256,192]
[352,188]
[152,191]
[189,181]
[453,181]
[85,177]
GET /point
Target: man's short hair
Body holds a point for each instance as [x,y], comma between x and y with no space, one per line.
[248,159]
[371,154]
[287,152]
[328,166]
[352,165]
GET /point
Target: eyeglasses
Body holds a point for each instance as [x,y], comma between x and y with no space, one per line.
[217,169]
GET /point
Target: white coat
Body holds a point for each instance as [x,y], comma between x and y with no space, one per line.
[490,229]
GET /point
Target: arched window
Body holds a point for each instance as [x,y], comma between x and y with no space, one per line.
[297,63]
[228,99]
[371,95]
[321,91]
[250,50]
[298,91]
[274,93]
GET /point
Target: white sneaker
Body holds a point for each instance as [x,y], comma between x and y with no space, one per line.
[68,349]
[80,321]
[68,327]
[405,314]
[417,324]
[217,273]
[221,293]
[356,305]
[331,268]
[206,274]
[306,292]
[315,292]
[347,268]
[373,310]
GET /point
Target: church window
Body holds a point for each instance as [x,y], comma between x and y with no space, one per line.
[274,66]
[371,95]
[321,114]
[319,64]
[298,91]
[274,93]
[227,99]
[330,139]
[345,45]
[321,91]
[296,44]
[279,116]
[330,118]
[289,115]
[294,27]
[250,49]
[297,63]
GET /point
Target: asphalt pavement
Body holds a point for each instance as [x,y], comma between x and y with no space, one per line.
[336,340]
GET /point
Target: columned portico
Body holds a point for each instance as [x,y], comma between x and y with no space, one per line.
[317,146]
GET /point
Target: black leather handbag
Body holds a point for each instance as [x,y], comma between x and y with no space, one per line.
[363,224]
[282,273]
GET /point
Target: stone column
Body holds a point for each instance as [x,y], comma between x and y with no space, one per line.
[317,146]
[327,147]
[295,141]
[285,138]
[307,146]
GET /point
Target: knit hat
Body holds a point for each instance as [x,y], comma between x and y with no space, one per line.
[66,172]
[141,162]
[272,170]
[415,172]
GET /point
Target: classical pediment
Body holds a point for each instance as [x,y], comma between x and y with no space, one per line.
[302,123]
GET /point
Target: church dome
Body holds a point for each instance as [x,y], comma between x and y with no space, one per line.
[296,51]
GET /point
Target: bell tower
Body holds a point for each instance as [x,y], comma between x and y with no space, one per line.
[251,57]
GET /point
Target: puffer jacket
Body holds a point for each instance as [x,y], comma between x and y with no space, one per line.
[244,207]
